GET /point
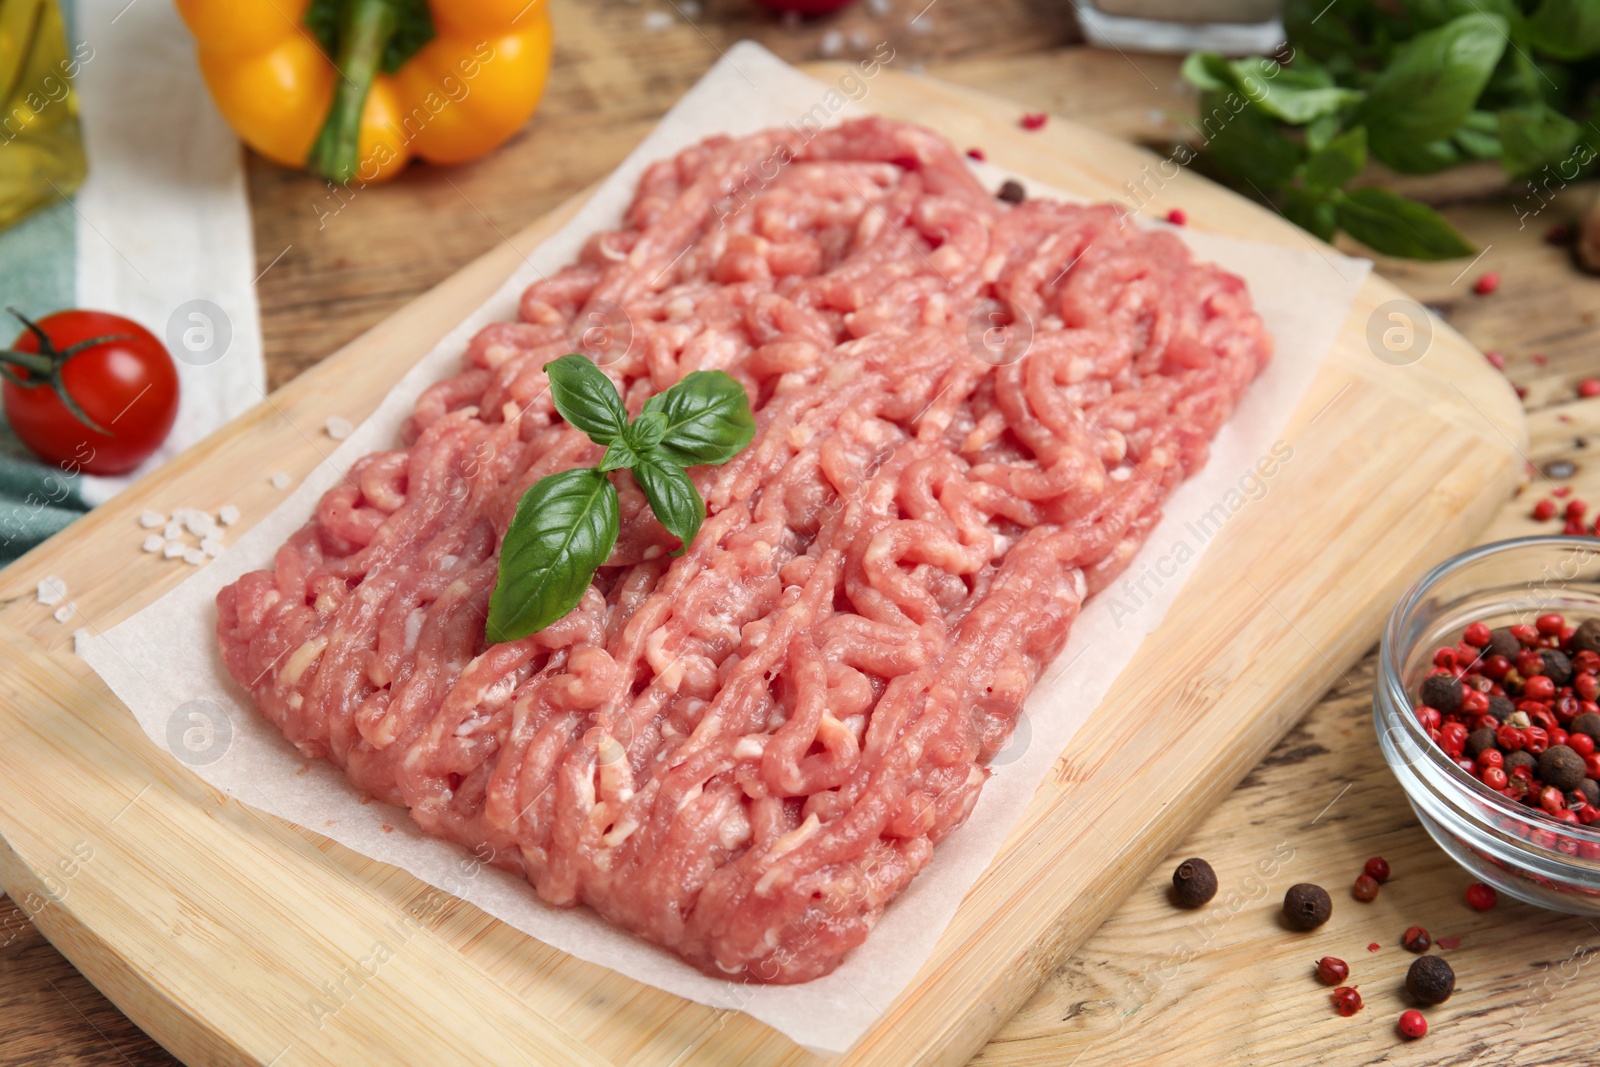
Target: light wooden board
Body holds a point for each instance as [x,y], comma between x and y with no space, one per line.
[213,926]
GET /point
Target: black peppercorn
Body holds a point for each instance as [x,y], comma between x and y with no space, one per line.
[1431,979]
[1442,693]
[1479,741]
[1591,792]
[1501,707]
[1194,883]
[1561,767]
[1306,906]
[1503,642]
[1520,759]
[1012,192]
[1557,667]
[1587,723]
[1587,636]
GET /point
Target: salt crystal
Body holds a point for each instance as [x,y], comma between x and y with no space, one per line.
[173,531]
[64,612]
[859,41]
[151,519]
[52,590]
[154,543]
[281,480]
[338,427]
[193,556]
[880,8]
[199,523]
[832,43]
[80,641]
[656,21]
[173,549]
[211,547]
[228,514]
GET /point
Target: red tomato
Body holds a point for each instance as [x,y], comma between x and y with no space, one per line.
[806,7]
[127,385]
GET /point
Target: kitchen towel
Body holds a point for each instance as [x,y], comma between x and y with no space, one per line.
[158,232]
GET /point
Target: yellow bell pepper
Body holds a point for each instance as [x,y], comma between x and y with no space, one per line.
[442,80]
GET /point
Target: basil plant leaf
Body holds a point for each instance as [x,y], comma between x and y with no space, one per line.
[1244,143]
[1389,223]
[1208,71]
[1431,85]
[1341,160]
[708,419]
[619,455]
[1293,96]
[1531,137]
[586,398]
[565,527]
[1312,211]
[673,498]
[1566,29]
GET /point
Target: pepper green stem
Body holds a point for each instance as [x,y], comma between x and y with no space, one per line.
[364,32]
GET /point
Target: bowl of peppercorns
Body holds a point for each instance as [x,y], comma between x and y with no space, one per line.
[1487,708]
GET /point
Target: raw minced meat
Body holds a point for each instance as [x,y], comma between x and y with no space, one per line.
[745,753]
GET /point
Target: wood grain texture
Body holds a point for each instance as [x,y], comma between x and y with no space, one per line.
[1118,99]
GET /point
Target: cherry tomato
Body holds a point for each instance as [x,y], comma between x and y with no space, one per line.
[126,385]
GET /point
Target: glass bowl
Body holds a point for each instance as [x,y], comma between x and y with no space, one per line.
[1517,849]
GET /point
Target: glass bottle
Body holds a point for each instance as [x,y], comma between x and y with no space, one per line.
[41,145]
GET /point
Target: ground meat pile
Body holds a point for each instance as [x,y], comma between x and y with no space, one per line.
[745,753]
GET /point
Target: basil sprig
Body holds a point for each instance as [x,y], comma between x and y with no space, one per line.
[566,525]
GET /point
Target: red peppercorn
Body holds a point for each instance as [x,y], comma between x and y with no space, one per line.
[1574,528]
[1365,889]
[1575,510]
[1510,738]
[1444,657]
[1544,510]
[1477,634]
[1586,686]
[977,154]
[1529,663]
[1473,702]
[1582,744]
[1496,667]
[1539,687]
[1567,816]
[1346,1000]
[1551,800]
[1589,814]
[1481,897]
[1561,491]
[1535,740]
[1586,662]
[1332,970]
[1453,737]
[1491,757]
[1034,120]
[1551,623]
[1493,777]
[1378,867]
[1591,765]
[1487,284]
[1416,939]
[1428,718]
[1412,1025]
[1558,736]
[1589,387]
[1525,634]
[1177,216]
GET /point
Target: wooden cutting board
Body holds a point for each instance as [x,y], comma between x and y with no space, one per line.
[221,930]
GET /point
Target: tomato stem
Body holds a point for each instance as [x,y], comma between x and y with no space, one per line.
[44,366]
[364,33]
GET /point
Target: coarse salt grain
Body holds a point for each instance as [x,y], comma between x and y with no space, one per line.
[172,549]
[199,523]
[151,519]
[656,21]
[64,612]
[52,590]
[228,514]
[154,543]
[80,641]
[193,556]
[173,531]
[338,427]
[832,43]
[280,480]
[211,547]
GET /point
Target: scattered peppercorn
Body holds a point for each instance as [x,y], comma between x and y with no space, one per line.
[1487,284]
[1177,216]
[1561,767]
[1589,387]
[1544,510]
[1306,906]
[1346,1000]
[1194,883]
[1378,867]
[1481,897]
[1365,889]
[1374,947]
[1431,979]
[1332,970]
[977,154]
[1416,939]
[1034,120]
[1012,192]
[1412,1025]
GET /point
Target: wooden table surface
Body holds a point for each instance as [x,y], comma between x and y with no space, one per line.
[1153,985]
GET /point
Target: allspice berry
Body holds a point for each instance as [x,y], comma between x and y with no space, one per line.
[1478,741]
[1587,636]
[1561,767]
[1442,693]
[1520,758]
[1501,707]
[1431,979]
[1306,906]
[1591,792]
[1503,642]
[1194,883]
[1587,723]
[1557,667]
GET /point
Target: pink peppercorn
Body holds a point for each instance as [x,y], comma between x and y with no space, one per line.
[1544,510]
[1177,216]
[1487,284]
[1034,120]
[1481,897]
[1589,387]
[1412,1025]
[1496,360]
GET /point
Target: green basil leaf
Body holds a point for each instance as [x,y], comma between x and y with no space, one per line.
[619,454]
[1429,158]
[1207,70]
[564,528]
[586,398]
[1336,164]
[1531,137]
[1311,211]
[1566,29]
[673,498]
[1431,85]
[708,419]
[1244,143]
[1320,133]
[1293,96]
[647,431]
[1393,225]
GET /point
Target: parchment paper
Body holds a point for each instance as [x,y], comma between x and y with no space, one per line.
[163,662]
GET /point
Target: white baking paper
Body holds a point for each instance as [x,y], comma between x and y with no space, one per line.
[164,659]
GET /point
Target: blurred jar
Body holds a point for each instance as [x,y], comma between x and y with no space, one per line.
[41,146]
[1232,27]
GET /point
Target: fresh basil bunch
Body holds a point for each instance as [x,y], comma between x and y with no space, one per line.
[567,523]
[1419,85]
